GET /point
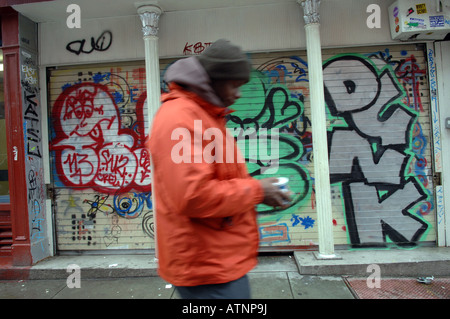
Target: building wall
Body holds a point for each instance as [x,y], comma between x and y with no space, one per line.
[260,28]
[39,220]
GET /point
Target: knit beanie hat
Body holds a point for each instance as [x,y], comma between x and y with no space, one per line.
[225,61]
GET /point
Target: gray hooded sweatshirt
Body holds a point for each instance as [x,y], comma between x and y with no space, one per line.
[190,74]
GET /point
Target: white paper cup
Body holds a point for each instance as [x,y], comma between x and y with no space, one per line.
[283,186]
[282,183]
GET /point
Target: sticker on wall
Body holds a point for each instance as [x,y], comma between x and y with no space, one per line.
[396,19]
[395,12]
[437,21]
[410,11]
[416,23]
[15,152]
[421,8]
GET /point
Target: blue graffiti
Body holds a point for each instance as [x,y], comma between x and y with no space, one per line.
[99,77]
[131,205]
[306,222]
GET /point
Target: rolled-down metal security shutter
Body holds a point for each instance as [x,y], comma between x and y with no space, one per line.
[379,138]
[100,168]
[378,110]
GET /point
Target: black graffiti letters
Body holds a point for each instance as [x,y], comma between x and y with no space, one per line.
[33,135]
[102,43]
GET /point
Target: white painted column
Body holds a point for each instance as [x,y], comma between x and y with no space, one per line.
[149,14]
[319,129]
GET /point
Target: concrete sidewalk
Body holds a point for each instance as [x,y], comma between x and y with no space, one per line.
[297,276]
[107,277]
[277,285]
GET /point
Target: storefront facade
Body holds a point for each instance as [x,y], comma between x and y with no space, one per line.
[85,121]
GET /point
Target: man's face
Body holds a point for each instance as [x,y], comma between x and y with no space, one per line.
[228,90]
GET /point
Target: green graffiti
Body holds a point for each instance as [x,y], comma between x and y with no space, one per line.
[260,115]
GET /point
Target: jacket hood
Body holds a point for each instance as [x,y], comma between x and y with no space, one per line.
[189,73]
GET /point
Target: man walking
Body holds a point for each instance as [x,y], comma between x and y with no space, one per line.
[207,233]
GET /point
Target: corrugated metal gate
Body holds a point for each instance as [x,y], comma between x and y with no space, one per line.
[379,143]
[101,171]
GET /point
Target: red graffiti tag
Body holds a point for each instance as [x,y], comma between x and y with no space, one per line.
[92,150]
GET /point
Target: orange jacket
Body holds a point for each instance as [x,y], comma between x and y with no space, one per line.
[206,229]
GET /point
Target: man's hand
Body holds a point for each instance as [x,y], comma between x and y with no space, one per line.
[273,195]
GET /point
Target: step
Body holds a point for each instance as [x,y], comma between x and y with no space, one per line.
[422,261]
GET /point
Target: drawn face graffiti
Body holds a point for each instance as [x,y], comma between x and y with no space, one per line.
[88,110]
[80,108]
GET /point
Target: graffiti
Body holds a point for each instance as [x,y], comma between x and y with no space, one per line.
[283,70]
[130,205]
[30,75]
[306,222]
[99,129]
[83,230]
[434,111]
[113,234]
[274,233]
[272,107]
[379,148]
[408,73]
[110,210]
[31,114]
[278,70]
[92,149]
[36,216]
[196,48]
[148,226]
[98,205]
[102,43]
[31,105]
[371,155]
[33,134]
